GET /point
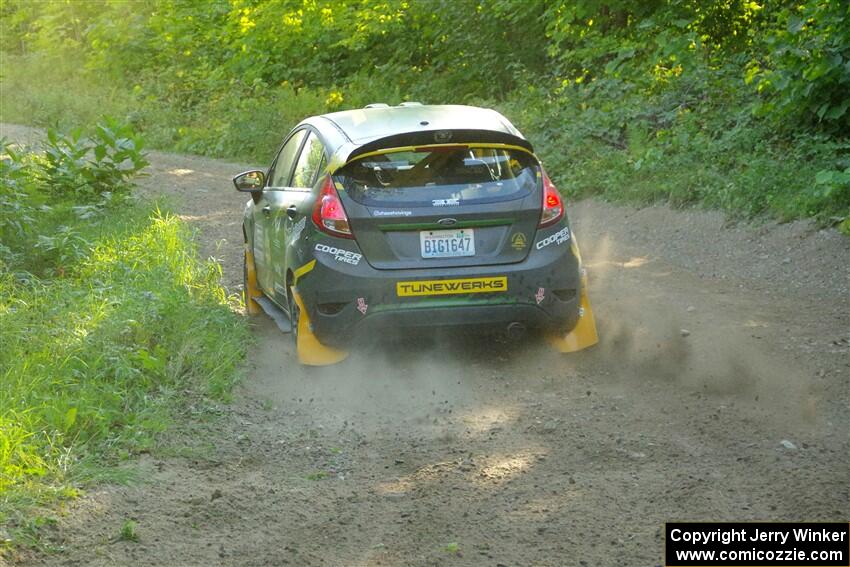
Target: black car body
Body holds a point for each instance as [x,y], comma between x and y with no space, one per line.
[413,216]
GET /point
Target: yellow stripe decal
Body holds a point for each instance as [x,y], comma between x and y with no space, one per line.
[452,287]
[303,270]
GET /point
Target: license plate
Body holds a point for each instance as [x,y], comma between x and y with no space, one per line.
[447,243]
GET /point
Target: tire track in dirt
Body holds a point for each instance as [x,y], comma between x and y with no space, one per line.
[466,451]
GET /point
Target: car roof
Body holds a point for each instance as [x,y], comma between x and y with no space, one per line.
[363,125]
[347,131]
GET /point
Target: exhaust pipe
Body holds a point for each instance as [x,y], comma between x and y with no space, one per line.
[515,330]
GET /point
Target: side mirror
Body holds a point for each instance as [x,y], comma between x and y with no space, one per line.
[250,181]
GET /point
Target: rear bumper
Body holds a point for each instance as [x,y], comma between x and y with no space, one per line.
[470,317]
[348,303]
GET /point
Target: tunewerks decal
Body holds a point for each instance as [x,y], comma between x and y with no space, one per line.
[451,287]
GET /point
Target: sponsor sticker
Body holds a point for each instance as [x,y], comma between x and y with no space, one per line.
[296,231]
[558,238]
[361,305]
[339,254]
[398,213]
[445,202]
[259,244]
[518,241]
[495,284]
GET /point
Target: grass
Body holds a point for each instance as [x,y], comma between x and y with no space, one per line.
[128,532]
[99,348]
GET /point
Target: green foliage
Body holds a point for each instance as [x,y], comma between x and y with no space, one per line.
[93,166]
[688,101]
[128,532]
[669,146]
[807,71]
[46,195]
[453,548]
[107,317]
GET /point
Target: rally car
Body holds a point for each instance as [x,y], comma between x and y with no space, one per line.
[385,218]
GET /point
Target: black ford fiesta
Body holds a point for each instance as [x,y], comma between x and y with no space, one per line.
[381,219]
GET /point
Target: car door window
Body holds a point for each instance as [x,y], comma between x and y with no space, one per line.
[309,163]
[283,163]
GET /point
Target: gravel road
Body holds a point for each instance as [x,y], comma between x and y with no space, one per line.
[719,391]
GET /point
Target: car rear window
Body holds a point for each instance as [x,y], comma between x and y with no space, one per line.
[440,176]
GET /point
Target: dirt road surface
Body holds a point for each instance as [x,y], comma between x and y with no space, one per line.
[719,391]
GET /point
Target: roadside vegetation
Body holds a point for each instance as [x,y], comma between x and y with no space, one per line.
[738,105]
[108,321]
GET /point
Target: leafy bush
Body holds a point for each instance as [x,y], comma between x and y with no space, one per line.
[16,209]
[807,71]
[47,197]
[101,163]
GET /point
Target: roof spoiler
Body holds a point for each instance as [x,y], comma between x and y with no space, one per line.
[429,137]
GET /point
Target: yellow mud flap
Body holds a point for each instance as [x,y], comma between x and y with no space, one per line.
[310,351]
[252,290]
[582,336]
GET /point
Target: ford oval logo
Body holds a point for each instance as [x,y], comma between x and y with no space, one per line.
[447,222]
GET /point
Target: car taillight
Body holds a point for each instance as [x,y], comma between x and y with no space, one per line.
[328,214]
[553,205]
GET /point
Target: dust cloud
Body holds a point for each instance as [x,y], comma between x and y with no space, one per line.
[392,381]
[655,326]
